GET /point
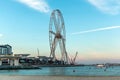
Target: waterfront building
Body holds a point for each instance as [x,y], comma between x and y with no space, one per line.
[6,50]
[6,56]
[9,60]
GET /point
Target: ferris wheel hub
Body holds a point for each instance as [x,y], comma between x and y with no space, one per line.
[58,36]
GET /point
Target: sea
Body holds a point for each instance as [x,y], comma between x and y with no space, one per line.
[67,71]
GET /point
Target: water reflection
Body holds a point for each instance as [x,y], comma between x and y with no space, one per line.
[74,71]
[57,71]
[9,71]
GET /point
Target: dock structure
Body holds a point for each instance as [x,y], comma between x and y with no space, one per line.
[9,61]
[13,60]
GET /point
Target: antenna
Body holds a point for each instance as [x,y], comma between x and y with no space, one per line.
[38,52]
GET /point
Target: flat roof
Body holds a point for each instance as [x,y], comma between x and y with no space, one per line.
[21,54]
[9,57]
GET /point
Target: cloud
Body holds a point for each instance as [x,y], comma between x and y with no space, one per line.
[107,6]
[1,35]
[39,5]
[95,30]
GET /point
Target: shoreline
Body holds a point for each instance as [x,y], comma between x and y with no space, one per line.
[20,77]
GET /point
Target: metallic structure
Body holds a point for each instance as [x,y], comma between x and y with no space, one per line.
[57,35]
[73,60]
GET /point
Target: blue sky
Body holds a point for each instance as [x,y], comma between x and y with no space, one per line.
[92,27]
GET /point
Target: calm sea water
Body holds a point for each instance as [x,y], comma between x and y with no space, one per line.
[69,71]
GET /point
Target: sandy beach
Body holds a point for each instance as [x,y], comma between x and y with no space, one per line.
[11,77]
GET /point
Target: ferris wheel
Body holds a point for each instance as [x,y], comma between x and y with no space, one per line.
[57,35]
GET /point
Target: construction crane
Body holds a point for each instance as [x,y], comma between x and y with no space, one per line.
[75,57]
[73,60]
[38,52]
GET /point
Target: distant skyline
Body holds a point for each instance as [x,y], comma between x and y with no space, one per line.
[92,27]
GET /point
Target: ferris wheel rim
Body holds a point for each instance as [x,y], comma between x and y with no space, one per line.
[57,32]
[62,27]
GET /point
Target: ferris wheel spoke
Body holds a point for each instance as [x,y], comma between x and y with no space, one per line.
[63,43]
[55,23]
[52,32]
[59,22]
[62,27]
[64,47]
[55,42]
[61,49]
[55,45]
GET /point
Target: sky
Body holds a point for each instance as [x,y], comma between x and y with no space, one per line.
[92,28]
